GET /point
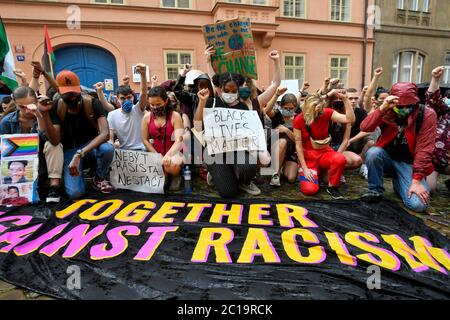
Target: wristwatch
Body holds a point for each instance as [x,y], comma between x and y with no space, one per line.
[80,152]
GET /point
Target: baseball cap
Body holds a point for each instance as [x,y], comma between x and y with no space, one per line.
[407,92]
[68,81]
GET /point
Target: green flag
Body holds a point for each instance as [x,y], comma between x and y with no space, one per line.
[6,60]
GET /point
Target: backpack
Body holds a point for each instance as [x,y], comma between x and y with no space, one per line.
[86,102]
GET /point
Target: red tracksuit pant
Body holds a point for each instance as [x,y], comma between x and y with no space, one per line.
[319,160]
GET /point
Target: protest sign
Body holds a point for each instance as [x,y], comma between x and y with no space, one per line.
[292,87]
[109,84]
[229,130]
[137,75]
[19,169]
[235,50]
[137,171]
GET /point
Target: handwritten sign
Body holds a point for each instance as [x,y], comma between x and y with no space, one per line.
[235,49]
[228,130]
[137,171]
[19,169]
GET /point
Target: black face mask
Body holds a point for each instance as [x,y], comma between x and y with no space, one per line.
[71,99]
[159,112]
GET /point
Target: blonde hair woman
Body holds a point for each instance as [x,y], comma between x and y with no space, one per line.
[312,143]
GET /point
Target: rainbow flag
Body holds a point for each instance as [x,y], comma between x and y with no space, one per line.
[20,145]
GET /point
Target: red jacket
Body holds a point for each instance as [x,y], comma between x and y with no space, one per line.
[421,145]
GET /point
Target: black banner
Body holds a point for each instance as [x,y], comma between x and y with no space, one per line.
[137,246]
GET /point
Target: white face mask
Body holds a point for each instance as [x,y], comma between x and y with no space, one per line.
[229,98]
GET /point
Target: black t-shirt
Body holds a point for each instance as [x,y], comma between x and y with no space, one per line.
[398,148]
[360,115]
[76,129]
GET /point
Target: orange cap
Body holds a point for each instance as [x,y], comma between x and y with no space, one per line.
[68,82]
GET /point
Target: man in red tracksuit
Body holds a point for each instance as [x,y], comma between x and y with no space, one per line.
[404,148]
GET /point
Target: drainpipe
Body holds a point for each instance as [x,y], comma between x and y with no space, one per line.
[366,7]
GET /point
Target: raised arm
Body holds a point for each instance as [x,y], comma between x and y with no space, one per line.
[101,96]
[436,79]
[265,97]
[142,69]
[209,53]
[22,76]
[371,90]
[198,117]
[269,107]
[349,116]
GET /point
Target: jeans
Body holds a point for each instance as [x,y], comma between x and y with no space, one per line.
[379,162]
[103,156]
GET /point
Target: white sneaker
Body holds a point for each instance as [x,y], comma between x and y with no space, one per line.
[250,188]
[275,181]
[364,171]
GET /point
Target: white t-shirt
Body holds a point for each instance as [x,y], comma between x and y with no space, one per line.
[127,127]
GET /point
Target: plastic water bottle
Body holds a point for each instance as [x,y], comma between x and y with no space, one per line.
[187,180]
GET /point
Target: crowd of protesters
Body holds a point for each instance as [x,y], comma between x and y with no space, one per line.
[321,133]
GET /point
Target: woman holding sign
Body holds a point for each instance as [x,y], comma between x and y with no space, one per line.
[162,132]
[312,143]
[234,170]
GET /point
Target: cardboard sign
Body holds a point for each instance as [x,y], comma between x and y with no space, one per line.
[19,169]
[235,50]
[137,75]
[292,87]
[228,130]
[137,171]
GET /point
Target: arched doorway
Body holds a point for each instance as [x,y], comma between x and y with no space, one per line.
[91,64]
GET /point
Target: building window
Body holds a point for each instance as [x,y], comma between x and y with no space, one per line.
[109,1]
[426,6]
[294,8]
[235,1]
[174,61]
[340,10]
[408,67]
[339,69]
[414,5]
[401,4]
[294,67]
[182,4]
[447,68]
[260,2]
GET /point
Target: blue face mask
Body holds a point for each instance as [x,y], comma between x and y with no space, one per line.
[245,93]
[127,106]
[286,113]
[447,101]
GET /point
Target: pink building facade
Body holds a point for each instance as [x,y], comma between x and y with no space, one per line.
[105,38]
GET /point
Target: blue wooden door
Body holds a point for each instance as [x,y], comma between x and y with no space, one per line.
[91,64]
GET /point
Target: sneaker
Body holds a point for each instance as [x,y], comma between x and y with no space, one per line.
[275,181]
[103,185]
[335,193]
[250,188]
[372,196]
[53,195]
[175,183]
[342,180]
[209,180]
[364,171]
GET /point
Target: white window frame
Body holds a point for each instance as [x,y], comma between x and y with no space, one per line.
[109,2]
[294,67]
[179,65]
[426,6]
[404,67]
[303,3]
[176,5]
[339,69]
[414,5]
[447,68]
[419,68]
[401,4]
[341,11]
[396,68]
